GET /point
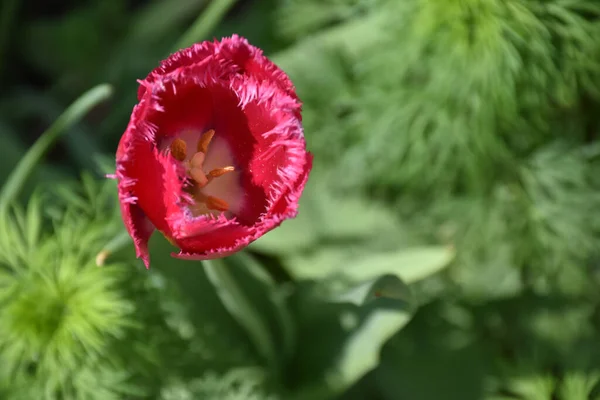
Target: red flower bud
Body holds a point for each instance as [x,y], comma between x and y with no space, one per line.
[214,155]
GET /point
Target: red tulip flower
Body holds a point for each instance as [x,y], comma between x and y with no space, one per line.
[214,155]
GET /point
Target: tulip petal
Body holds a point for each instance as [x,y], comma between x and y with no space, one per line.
[249,106]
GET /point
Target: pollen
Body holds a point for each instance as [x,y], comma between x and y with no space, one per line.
[205,140]
[179,149]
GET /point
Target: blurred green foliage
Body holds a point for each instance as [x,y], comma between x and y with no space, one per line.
[447,242]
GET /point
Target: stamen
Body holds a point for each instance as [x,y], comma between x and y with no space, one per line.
[179,149]
[194,165]
[215,203]
[198,176]
[205,140]
[217,172]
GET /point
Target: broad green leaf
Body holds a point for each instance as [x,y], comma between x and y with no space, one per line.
[387,286]
[359,263]
[358,294]
[347,216]
[357,324]
[355,217]
[410,265]
[386,309]
[249,295]
[326,217]
[211,321]
[319,263]
[292,235]
[361,353]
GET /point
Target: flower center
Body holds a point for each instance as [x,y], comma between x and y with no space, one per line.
[200,178]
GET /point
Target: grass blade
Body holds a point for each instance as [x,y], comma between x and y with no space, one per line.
[73,114]
[205,23]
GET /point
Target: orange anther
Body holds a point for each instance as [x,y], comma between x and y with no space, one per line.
[179,149]
[215,203]
[205,140]
[217,172]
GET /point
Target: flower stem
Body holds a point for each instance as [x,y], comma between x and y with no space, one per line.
[72,115]
[205,23]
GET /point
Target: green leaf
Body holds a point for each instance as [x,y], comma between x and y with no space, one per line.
[248,293]
[382,286]
[74,113]
[325,216]
[236,384]
[206,22]
[386,310]
[578,385]
[343,335]
[292,235]
[410,265]
[352,216]
[537,387]
[320,263]
[210,320]
[360,264]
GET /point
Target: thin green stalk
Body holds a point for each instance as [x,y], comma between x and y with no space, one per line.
[68,118]
[240,306]
[205,23]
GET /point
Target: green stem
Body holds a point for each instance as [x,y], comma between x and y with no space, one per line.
[239,305]
[205,23]
[68,118]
